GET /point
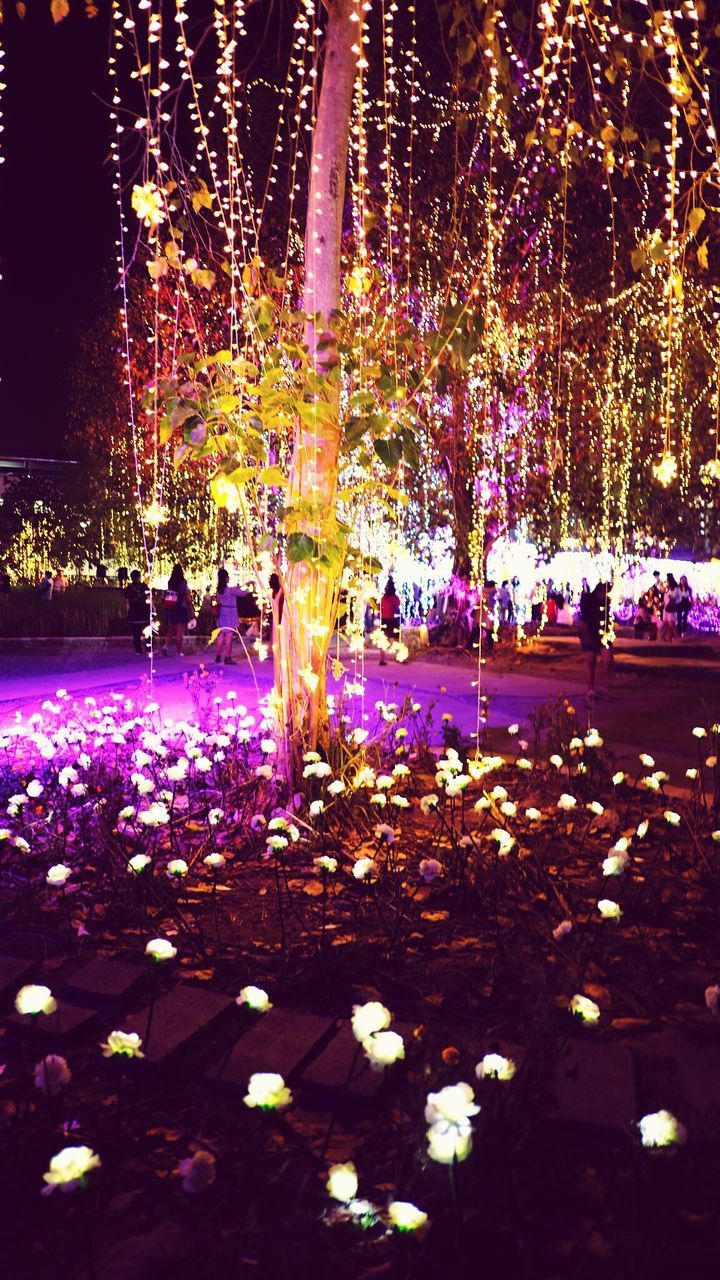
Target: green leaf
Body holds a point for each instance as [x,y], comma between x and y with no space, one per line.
[204,278]
[273,476]
[300,546]
[389,451]
[696,217]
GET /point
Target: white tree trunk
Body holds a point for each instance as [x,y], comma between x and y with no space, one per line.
[312,591]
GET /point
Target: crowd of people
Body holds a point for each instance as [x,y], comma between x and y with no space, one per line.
[663,610]
[459,618]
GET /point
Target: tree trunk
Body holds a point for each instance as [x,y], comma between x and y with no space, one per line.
[311,589]
[461,478]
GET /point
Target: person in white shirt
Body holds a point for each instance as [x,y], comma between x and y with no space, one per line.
[226,617]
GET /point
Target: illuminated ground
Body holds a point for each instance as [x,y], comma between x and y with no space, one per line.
[656,696]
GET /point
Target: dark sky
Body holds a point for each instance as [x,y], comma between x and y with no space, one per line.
[57,216]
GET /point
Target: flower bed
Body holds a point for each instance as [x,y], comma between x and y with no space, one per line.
[471,916]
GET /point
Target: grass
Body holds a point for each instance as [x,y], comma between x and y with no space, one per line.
[78,611]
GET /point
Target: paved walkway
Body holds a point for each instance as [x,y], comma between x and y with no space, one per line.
[643,712]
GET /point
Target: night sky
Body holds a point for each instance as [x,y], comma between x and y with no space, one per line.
[58,216]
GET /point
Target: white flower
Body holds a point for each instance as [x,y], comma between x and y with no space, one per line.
[255,998]
[367,1019]
[712,995]
[557,761]
[35,999]
[566,802]
[646,761]
[513,729]
[177,867]
[618,778]
[505,841]
[384,833]
[156,815]
[699,732]
[405,1216]
[454,1104]
[160,949]
[430,869]
[52,1073]
[215,817]
[364,868]
[316,808]
[69,1167]
[715,835]
[575,744]
[661,1129]
[533,815]
[593,739]
[268,1091]
[342,1182]
[596,807]
[691,774]
[400,802]
[449,1143]
[318,769]
[608,909]
[58,874]
[651,783]
[34,789]
[672,818]
[383,1048]
[495,1067]
[615,864]
[122,1044]
[498,793]
[264,771]
[268,746]
[379,800]
[364,777]
[214,861]
[585,1009]
[197,1172]
[562,929]
[139,862]
[481,804]
[642,829]
[326,864]
[508,808]
[336,788]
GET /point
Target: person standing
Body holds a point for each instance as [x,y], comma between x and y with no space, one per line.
[5,585]
[685,605]
[59,583]
[671,605]
[226,617]
[177,610]
[136,596]
[389,613]
[594,630]
[504,603]
[46,588]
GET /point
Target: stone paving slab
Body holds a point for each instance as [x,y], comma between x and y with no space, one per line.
[595,1086]
[699,1074]
[177,1018]
[14,971]
[342,1068]
[104,980]
[283,1040]
[70,1022]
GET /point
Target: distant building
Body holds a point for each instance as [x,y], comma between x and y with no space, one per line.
[11,467]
